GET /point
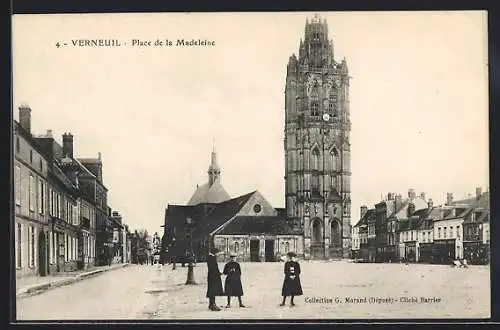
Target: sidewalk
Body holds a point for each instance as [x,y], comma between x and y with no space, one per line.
[31,285]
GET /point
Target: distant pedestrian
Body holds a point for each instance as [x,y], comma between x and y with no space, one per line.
[214,282]
[232,285]
[291,284]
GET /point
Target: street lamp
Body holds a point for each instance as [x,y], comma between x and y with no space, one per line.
[190,276]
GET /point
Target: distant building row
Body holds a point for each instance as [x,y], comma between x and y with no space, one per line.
[415,230]
[62,220]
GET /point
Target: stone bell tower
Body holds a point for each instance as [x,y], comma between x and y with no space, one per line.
[317,148]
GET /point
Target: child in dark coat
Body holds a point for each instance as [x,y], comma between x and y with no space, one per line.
[232,285]
[291,283]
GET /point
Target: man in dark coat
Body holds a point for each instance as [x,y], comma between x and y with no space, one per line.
[214,281]
[232,285]
[291,283]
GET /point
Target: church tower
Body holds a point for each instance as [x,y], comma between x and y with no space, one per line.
[212,191]
[317,149]
[213,169]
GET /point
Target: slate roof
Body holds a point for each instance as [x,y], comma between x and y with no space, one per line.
[207,216]
[401,212]
[30,139]
[364,219]
[93,165]
[271,225]
[61,176]
[482,201]
[84,168]
[206,193]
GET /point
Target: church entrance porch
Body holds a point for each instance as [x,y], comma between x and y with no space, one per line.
[317,251]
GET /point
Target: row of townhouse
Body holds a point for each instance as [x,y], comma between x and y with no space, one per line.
[61,214]
[415,230]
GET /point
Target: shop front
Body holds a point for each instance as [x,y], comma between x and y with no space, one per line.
[425,253]
[444,251]
[411,251]
[476,253]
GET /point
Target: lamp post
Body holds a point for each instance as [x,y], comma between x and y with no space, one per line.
[190,276]
[172,253]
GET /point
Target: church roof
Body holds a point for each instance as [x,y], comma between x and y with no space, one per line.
[207,193]
[206,216]
[272,225]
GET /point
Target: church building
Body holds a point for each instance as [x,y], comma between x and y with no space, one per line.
[317,148]
[247,225]
[316,221]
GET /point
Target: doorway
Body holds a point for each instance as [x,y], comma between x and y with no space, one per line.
[42,254]
[254,250]
[269,250]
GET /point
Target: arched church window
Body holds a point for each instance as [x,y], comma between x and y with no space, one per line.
[333,182]
[333,158]
[314,108]
[316,232]
[315,185]
[332,103]
[315,159]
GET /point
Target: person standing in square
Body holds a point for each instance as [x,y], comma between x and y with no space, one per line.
[214,282]
[232,285]
[291,283]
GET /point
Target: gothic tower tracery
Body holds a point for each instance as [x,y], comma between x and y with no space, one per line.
[317,148]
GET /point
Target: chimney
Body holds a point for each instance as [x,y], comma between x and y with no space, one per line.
[478,192]
[411,193]
[363,211]
[422,195]
[430,203]
[49,133]
[411,209]
[449,198]
[398,201]
[99,155]
[67,139]
[25,117]
[390,196]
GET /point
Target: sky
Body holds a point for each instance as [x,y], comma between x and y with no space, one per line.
[419,101]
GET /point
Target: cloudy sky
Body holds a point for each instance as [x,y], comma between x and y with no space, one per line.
[419,101]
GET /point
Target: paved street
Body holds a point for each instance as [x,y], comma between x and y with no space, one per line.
[146,292]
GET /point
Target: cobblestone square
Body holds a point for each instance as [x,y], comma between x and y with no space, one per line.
[332,290]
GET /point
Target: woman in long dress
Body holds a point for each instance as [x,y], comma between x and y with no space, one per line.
[232,285]
[291,283]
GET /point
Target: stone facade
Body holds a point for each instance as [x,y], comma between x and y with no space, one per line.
[30,201]
[268,247]
[317,148]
